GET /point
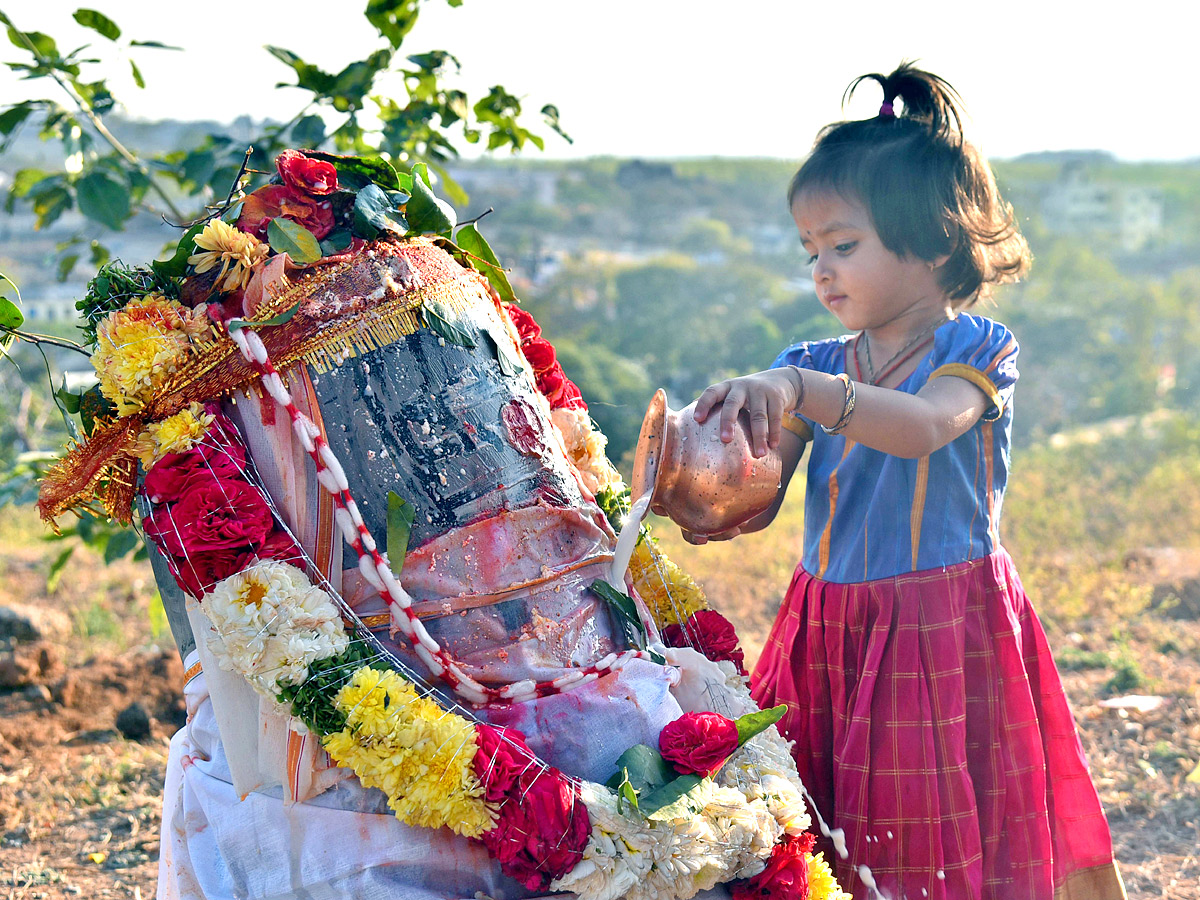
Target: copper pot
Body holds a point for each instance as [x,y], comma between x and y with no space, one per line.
[704,485]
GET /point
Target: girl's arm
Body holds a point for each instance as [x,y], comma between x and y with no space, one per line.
[892,421]
[791,449]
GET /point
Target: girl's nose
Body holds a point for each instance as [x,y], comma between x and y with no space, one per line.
[820,271]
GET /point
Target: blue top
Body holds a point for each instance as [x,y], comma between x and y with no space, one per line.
[869,515]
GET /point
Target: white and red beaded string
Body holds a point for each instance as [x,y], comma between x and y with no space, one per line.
[375,569]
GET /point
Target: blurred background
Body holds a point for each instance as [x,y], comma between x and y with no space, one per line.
[635,163]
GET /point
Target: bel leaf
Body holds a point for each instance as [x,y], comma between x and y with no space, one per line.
[426,213]
[443,322]
[356,172]
[668,802]
[484,260]
[752,723]
[510,362]
[292,238]
[624,611]
[643,767]
[374,211]
[238,324]
[176,266]
[400,517]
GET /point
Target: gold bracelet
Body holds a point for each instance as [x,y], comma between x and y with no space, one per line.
[800,395]
[847,407]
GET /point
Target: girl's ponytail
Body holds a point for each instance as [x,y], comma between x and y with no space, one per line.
[926,97]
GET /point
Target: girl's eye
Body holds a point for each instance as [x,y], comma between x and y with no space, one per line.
[812,259]
[845,248]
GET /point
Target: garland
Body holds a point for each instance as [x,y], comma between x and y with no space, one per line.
[718,800]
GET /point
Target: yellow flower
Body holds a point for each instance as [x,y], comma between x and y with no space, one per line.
[418,754]
[822,885]
[235,251]
[174,434]
[668,591]
[140,345]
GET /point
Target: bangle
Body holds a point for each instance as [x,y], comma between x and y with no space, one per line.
[799,394]
[847,407]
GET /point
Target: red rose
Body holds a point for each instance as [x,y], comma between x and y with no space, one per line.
[542,828]
[526,327]
[312,176]
[501,758]
[219,454]
[198,573]
[283,201]
[213,515]
[698,742]
[786,874]
[569,396]
[540,354]
[709,632]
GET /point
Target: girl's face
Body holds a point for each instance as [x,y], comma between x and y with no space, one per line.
[857,278]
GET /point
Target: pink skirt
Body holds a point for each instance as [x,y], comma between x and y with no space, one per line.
[931,726]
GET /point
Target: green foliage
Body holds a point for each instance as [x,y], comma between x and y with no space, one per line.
[400,518]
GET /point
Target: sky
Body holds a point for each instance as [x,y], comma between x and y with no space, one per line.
[668,78]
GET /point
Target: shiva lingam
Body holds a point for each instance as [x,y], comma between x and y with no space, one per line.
[702,483]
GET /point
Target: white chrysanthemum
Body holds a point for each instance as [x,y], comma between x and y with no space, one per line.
[270,624]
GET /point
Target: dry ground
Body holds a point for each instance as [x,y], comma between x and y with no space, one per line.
[79,803]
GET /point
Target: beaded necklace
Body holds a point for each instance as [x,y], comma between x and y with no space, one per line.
[897,359]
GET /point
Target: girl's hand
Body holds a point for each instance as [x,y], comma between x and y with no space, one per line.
[765,396]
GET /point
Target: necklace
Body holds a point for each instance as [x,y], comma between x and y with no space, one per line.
[901,356]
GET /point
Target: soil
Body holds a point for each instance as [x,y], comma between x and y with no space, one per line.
[80,800]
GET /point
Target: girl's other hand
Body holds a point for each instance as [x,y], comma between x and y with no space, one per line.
[765,396]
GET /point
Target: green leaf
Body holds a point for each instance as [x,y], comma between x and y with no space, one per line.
[426,213]
[157,45]
[624,611]
[643,767]
[14,116]
[10,314]
[374,212]
[57,567]
[670,800]
[121,543]
[238,324]
[400,517]
[356,172]
[69,401]
[176,266]
[393,19]
[309,131]
[484,260]
[137,74]
[66,265]
[753,723]
[98,22]
[626,791]
[103,198]
[443,322]
[292,238]
[506,355]
[336,241]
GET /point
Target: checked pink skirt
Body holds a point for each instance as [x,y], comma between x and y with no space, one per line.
[931,725]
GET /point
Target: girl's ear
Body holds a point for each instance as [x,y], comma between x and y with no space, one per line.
[938,261]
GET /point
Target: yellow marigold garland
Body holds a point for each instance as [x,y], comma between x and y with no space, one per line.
[822,884]
[669,592]
[174,434]
[418,754]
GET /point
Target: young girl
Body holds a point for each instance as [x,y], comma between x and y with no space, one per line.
[929,720]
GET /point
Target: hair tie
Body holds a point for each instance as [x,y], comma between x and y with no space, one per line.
[887,111]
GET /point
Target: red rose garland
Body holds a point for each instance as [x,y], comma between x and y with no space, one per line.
[552,382]
[786,874]
[711,633]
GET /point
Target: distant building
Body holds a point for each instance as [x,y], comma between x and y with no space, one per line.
[1079,205]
